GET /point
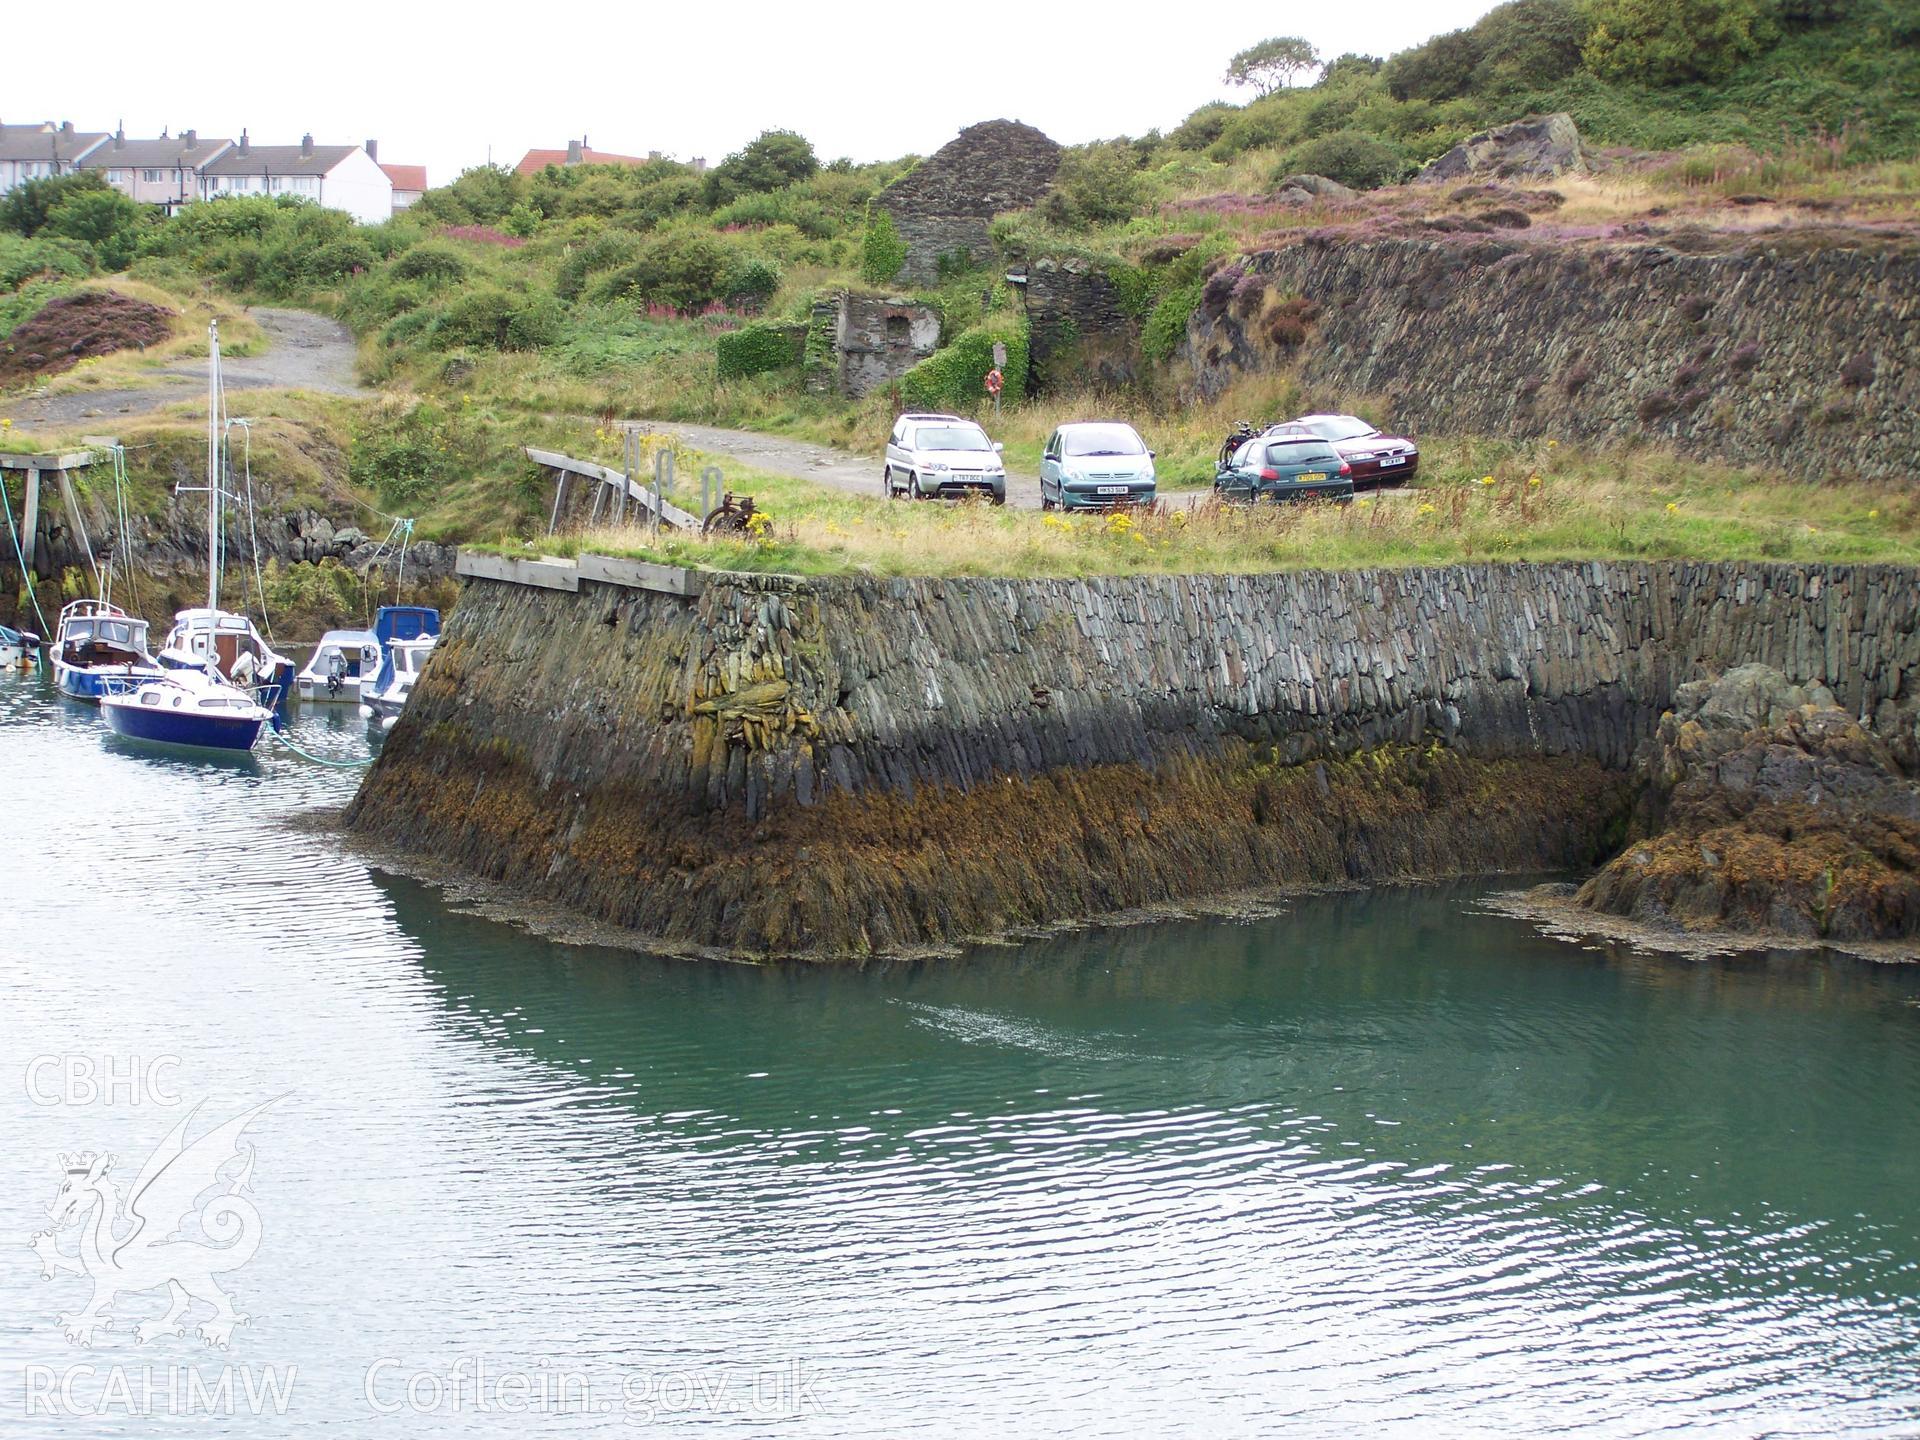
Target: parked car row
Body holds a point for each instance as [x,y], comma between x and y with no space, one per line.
[1099,464]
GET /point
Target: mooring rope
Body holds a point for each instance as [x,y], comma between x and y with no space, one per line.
[319,759]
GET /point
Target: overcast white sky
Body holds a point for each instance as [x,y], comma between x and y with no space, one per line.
[439,84]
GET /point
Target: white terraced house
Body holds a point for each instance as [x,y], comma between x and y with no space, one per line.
[340,177]
[43,149]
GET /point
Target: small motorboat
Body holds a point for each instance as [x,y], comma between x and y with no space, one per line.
[393,624]
[18,648]
[342,664]
[235,648]
[187,707]
[99,648]
[404,661]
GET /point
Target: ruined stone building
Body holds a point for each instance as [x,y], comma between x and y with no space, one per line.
[944,205]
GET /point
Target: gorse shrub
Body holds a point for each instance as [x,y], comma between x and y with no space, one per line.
[608,250]
[755,349]
[489,317]
[751,283]
[1352,157]
[1097,185]
[679,269]
[1666,42]
[432,264]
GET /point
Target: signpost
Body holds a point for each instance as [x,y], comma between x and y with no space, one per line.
[995,381]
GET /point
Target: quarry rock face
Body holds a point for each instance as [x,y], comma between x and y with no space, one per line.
[1537,148]
[1767,808]
[1791,355]
[837,767]
[943,206]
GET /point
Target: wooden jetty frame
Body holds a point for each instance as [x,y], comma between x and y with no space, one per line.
[624,486]
[60,464]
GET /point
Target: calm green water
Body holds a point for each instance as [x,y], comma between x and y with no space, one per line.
[1382,1162]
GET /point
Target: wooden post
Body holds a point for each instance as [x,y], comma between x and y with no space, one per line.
[559,498]
[30,522]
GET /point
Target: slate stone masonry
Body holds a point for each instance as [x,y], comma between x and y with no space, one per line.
[843,765]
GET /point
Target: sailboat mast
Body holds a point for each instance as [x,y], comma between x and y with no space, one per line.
[213,473]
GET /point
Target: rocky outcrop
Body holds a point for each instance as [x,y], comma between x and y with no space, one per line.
[943,206]
[1537,148]
[833,767]
[1794,357]
[1305,189]
[1768,809]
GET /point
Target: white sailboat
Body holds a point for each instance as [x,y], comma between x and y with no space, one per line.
[197,704]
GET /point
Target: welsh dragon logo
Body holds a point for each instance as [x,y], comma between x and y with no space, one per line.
[134,1245]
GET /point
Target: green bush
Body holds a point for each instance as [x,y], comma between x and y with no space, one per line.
[772,161]
[496,319]
[433,264]
[751,284]
[1166,327]
[336,260]
[1097,185]
[680,269]
[608,250]
[1668,42]
[954,378]
[755,349]
[882,251]
[1352,157]
[22,260]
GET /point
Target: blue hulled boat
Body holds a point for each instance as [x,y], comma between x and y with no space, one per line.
[98,648]
[187,707]
[198,699]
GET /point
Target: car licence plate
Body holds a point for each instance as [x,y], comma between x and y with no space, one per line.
[1307,479]
[1386,460]
[1111,490]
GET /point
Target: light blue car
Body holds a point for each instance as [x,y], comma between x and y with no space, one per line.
[1096,464]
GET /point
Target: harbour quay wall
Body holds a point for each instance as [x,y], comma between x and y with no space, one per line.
[769,766]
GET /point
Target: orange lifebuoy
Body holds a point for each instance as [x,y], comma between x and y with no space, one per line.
[995,380]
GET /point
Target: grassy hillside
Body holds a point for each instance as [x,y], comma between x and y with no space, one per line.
[505,310]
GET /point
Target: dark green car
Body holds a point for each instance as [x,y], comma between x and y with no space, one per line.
[1279,468]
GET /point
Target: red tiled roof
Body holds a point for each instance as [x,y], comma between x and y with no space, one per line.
[406,177]
[534,161]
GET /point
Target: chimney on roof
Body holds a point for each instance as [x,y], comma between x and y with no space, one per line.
[373,151]
[120,138]
[306,144]
[66,127]
[190,140]
[575,151]
[246,145]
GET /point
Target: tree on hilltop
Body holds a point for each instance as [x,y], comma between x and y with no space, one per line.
[1272,63]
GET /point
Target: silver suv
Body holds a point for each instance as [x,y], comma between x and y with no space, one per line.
[945,457]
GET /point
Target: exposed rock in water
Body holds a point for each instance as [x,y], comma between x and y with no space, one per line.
[1769,809]
[1537,148]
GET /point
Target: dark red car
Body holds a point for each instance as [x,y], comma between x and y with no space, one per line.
[1376,459]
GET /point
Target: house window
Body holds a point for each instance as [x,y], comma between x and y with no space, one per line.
[274,184]
[152,177]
